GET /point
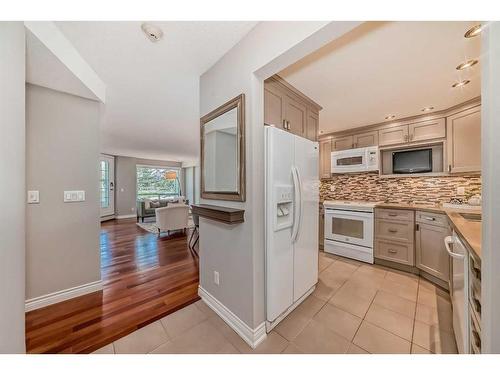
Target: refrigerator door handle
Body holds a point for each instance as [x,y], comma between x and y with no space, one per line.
[297,204]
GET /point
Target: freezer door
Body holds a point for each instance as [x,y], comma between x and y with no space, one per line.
[279,249]
[305,262]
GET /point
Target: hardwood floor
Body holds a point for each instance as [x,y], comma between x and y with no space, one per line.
[145,278]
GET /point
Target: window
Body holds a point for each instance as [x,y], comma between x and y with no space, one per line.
[104,184]
[152,184]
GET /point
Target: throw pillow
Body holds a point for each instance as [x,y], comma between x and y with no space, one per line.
[154,204]
[147,204]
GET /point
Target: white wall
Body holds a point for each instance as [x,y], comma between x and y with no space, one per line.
[237,252]
[62,153]
[12,187]
[490,115]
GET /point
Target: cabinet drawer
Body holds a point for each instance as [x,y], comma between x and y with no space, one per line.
[394,251]
[399,215]
[394,230]
[431,218]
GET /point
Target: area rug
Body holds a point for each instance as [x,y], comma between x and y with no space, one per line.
[151,227]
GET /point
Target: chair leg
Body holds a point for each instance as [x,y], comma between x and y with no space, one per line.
[190,238]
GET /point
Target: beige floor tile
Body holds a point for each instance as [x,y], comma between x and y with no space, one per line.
[354,349]
[273,344]
[292,325]
[292,349]
[353,304]
[370,280]
[317,339]
[391,321]
[430,287]
[310,306]
[323,291]
[439,318]
[372,270]
[203,338]
[408,291]
[339,321]
[433,339]
[182,320]
[360,288]
[352,262]
[143,340]
[108,349]
[345,265]
[205,309]
[395,303]
[379,341]
[415,349]
[402,277]
[324,262]
[433,299]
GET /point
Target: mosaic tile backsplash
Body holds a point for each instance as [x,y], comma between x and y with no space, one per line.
[419,190]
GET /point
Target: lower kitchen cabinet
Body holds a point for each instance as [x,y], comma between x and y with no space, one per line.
[430,252]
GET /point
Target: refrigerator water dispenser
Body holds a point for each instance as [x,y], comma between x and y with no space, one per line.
[284,203]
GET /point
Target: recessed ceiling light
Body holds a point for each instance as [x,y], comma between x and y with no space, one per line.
[390,117]
[467,64]
[154,33]
[461,83]
[473,31]
[427,109]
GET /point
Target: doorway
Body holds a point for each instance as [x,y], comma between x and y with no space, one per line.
[107,185]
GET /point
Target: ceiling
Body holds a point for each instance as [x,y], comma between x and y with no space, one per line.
[388,68]
[152,89]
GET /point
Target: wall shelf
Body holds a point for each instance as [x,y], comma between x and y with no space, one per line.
[221,214]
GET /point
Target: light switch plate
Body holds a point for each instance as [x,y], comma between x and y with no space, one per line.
[74,196]
[33,196]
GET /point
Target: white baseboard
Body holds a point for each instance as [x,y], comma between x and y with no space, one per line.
[252,336]
[62,295]
[126,216]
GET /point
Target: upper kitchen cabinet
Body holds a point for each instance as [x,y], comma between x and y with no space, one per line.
[427,130]
[325,161]
[342,143]
[393,135]
[289,109]
[464,141]
[365,139]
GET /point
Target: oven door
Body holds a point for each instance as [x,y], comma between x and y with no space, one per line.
[348,161]
[350,227]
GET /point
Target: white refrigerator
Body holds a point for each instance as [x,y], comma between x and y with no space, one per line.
[292,212]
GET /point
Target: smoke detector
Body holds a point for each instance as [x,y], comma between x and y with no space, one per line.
[153,32]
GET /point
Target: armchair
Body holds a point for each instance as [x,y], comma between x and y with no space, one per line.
[172,217]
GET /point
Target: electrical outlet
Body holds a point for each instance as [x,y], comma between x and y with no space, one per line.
[33,196]
[460,190]
[216,278]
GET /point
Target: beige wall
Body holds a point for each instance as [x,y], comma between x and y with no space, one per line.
[237,252]
[62,149]
[12,187]
[126,181]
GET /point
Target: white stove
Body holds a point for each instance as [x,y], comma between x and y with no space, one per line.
[362,206]
[349,229]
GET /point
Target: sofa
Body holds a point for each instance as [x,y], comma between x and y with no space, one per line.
[147,207]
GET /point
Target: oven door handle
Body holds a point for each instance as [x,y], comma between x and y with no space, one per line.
[297,211]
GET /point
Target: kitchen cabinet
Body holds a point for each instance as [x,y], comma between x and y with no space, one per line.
[430,252]
[394,235]
[342,143]
[427,130]
[287,108]
[325,160]
[393,135]
[365,139]
[464,141]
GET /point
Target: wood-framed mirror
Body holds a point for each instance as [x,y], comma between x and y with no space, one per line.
[222,137]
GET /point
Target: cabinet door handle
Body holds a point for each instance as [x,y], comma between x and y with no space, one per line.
[288,125]
[392,251]
[449,168]
[429,218]
[284,124]
[392,230]
[392,215]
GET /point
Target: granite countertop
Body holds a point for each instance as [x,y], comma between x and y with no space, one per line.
[469,231]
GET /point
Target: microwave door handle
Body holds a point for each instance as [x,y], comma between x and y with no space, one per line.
[297,204]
